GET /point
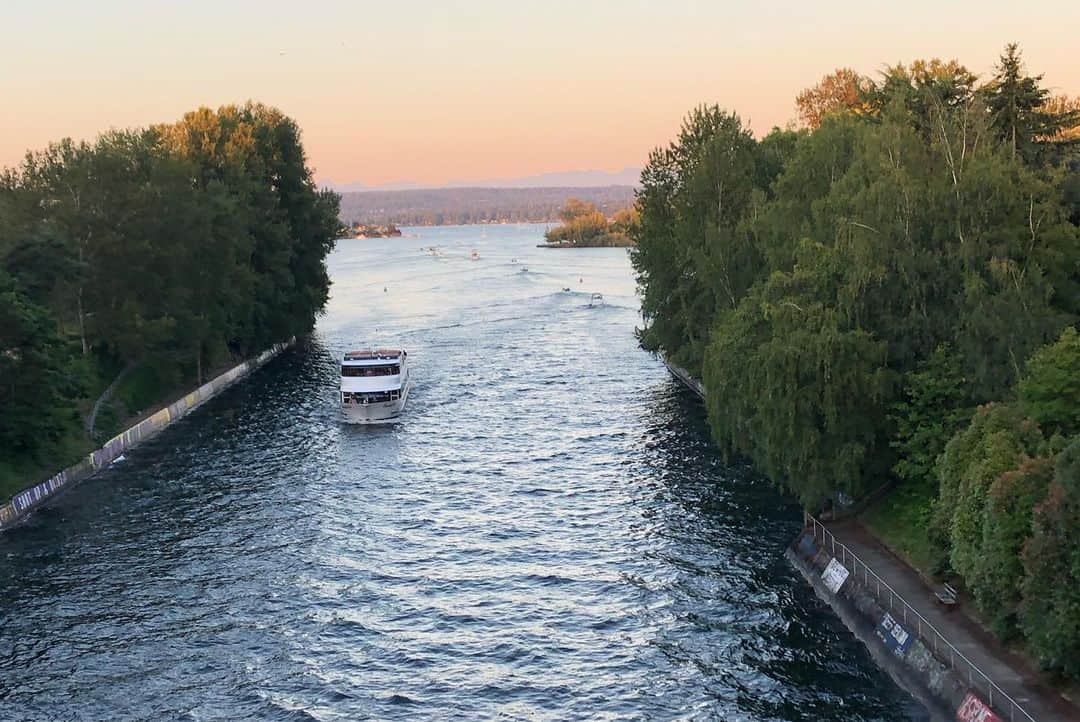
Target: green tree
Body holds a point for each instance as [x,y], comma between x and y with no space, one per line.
[170,248]
[1050,391]
[934,405]
[693,249]
[35,393]
[849,293]
[1016,103]
[289,225]
[798,207]
[1050,611]
[994,443]
[998,569]
[799,388]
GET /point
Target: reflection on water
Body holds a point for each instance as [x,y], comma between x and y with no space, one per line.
[548,533]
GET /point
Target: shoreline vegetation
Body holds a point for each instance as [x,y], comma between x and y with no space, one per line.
[883,306]
[584,226]
[132,265]
[365,230]
[466,206]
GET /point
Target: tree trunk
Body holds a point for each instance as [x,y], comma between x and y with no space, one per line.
[105,396]
[82,325]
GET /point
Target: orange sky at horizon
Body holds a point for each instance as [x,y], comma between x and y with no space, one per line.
[432,93]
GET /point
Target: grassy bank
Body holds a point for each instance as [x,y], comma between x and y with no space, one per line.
[901,520]
[144,390]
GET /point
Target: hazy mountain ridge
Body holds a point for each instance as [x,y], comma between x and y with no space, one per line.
[629,176]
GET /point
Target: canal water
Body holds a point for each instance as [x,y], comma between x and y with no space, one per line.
[547,534]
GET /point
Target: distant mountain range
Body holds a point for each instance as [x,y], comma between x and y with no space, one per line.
[564,179]
[447,206]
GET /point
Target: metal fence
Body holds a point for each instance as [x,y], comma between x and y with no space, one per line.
[927,632]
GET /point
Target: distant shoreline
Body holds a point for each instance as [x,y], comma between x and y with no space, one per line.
[465,206]
[627,244]
[369,230]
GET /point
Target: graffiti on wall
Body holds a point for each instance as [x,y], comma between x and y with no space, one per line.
[973,709]
[834,575]
[896,638]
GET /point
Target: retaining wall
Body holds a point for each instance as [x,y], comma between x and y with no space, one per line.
[895,649]
[26,501]
[683,375]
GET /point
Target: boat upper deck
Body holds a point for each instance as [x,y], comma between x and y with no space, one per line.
[373,357]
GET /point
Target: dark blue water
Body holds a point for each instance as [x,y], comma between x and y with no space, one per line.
[547,535]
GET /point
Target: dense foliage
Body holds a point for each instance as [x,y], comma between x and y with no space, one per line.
[583,225]
[889,297]
[173,248]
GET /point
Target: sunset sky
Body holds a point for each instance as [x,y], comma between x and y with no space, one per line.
[433,92]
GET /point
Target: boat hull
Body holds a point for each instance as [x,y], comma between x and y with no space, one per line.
[379,412]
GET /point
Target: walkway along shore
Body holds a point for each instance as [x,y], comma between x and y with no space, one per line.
[943,658]
[26,501]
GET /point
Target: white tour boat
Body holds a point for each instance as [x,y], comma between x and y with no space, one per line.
[374,385]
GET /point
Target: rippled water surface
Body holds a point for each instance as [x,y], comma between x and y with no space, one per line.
[546,535]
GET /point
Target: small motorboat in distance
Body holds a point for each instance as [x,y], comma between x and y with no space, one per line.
[597,299]
[374,385]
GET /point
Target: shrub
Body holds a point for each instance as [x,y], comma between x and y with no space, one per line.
[994,443]
[999,570]
[1049,614]
[1050,391]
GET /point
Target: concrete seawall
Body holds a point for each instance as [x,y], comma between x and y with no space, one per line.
[684,376]
[26,501]
[910,664]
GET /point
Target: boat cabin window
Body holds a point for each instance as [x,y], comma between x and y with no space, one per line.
[370,397]
[383,370]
